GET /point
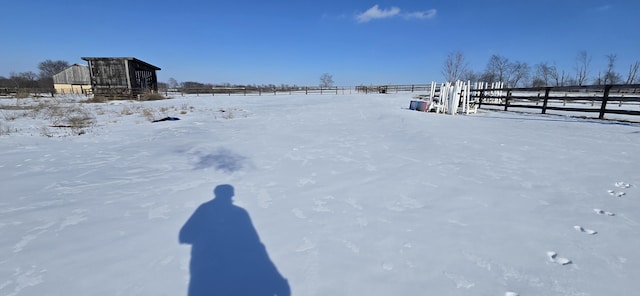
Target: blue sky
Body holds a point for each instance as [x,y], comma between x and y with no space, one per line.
[294,42]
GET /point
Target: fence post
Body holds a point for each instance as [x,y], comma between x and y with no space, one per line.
[605,98]
[481,98]
[546,99]
[506,100]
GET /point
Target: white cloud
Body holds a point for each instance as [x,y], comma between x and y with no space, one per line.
[422,15]
[375,12]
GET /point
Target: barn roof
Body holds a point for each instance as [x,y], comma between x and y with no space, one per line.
[122,58]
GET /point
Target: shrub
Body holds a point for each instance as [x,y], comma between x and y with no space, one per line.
[22,94]
[4,129]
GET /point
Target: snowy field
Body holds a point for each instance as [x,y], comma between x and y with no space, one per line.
[349,194]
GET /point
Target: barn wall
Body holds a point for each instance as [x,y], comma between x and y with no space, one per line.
[109,75]
[66,89]
[75,74]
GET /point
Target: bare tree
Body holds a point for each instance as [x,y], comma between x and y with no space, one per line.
[48,68]
[519,72]
[582,67]
[542,76]
[326,80]
[496,70]
[633,72]
[24,79]
[560,78]
[172,83]
[454,66]
[470,75]
[610,76]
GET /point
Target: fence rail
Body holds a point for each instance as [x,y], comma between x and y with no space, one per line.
[622,99]
[22,92]
[246,91]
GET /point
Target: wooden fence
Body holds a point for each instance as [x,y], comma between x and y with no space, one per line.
[622,99]
[617,99]
[307,90]
[259,91]
[26,92]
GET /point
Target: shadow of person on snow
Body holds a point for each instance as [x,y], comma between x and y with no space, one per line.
[227,257]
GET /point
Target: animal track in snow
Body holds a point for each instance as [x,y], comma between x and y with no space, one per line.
[601,212]
[553,257]
[585,230]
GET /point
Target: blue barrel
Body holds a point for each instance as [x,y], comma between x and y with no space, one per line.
[413,105]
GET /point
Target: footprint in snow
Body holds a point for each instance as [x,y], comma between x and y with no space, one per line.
[585,230]
[616,193]
[622,184]
[601,212]
[553,256]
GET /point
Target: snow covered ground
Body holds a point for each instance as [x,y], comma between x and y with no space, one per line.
[350,195]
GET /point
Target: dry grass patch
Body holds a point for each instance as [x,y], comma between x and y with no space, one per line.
[153,97]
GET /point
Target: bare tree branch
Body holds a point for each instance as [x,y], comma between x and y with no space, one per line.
[582,67]
[454,66]
[633,72]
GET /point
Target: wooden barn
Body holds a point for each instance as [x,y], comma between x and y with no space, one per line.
[122,76]
[73,80]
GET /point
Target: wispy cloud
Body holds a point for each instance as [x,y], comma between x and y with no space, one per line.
[422,15]
[375,13]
